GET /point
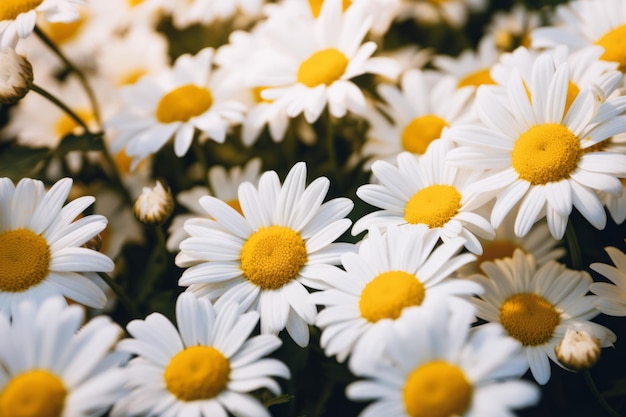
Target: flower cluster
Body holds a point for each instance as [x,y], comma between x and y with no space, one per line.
[405,208]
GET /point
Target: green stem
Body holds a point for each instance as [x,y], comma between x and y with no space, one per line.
[198,150]
[330,140]
[121,295]
[574,248]
[598,396]
[62,106]
[72,68]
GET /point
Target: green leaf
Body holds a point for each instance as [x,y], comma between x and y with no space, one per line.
[84,142]
[20,162]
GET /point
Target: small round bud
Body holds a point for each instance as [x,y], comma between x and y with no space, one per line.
[579,349]
[16,76]
[154,205]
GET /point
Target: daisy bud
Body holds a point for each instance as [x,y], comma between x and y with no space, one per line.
[154,205]
[16,76]
[579,349]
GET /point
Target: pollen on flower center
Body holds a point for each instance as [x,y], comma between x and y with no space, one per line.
[614,44]
[497,249]
[433,205]
[183,103]
[437,389]
[316,6]
[273,256]
[388,294]
[25,258]
[421,131]
[477,78]
[197,373]
[10,9]
[66,125]
[323,67]
[35,393]
[529,318]
[546,153]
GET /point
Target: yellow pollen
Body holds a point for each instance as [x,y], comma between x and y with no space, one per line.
[256,93]
[529,318]
[614,44]
[433,205]
[234,203]
[197,373]
[60,32]
[10,9]
[272,256]
[25,258]
[421,131]
[388,294]
[183,103]
[35,393]
[66,125]
[497,249]
[546,153]
[316,6]
[477,78]
[323,67]
[131,77]
[437,389]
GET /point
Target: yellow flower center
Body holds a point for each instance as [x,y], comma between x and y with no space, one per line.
[66,125]
[256,94]
[497,249]
[61,32]
[316,6]
[433,205]
[421,131]
[134,3]
[10,9]
[197,373]
[614,44]
[437,389]
[25,258]
[323,67]
[477,78]
[132,76]
[272,256]
[234,203]
[529,318]
[35,393]
[546,153]
[183,103]
[388,294]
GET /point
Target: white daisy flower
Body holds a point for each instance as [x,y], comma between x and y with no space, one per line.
[512,28]
[471,67]
[224,184]
[391,274]
[453,12]
[587,22]
[536,306]
[140,51]
[175,103]
[40,245]
[205,368]
[310,63]
[51,367]
[18,17]
[538,242]
[414,115]
[425,191]
[611,296]
[263,259]
[537,153]
[436,366]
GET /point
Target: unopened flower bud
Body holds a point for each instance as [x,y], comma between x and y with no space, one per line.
[579,349]
[16,76]
[154,205]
